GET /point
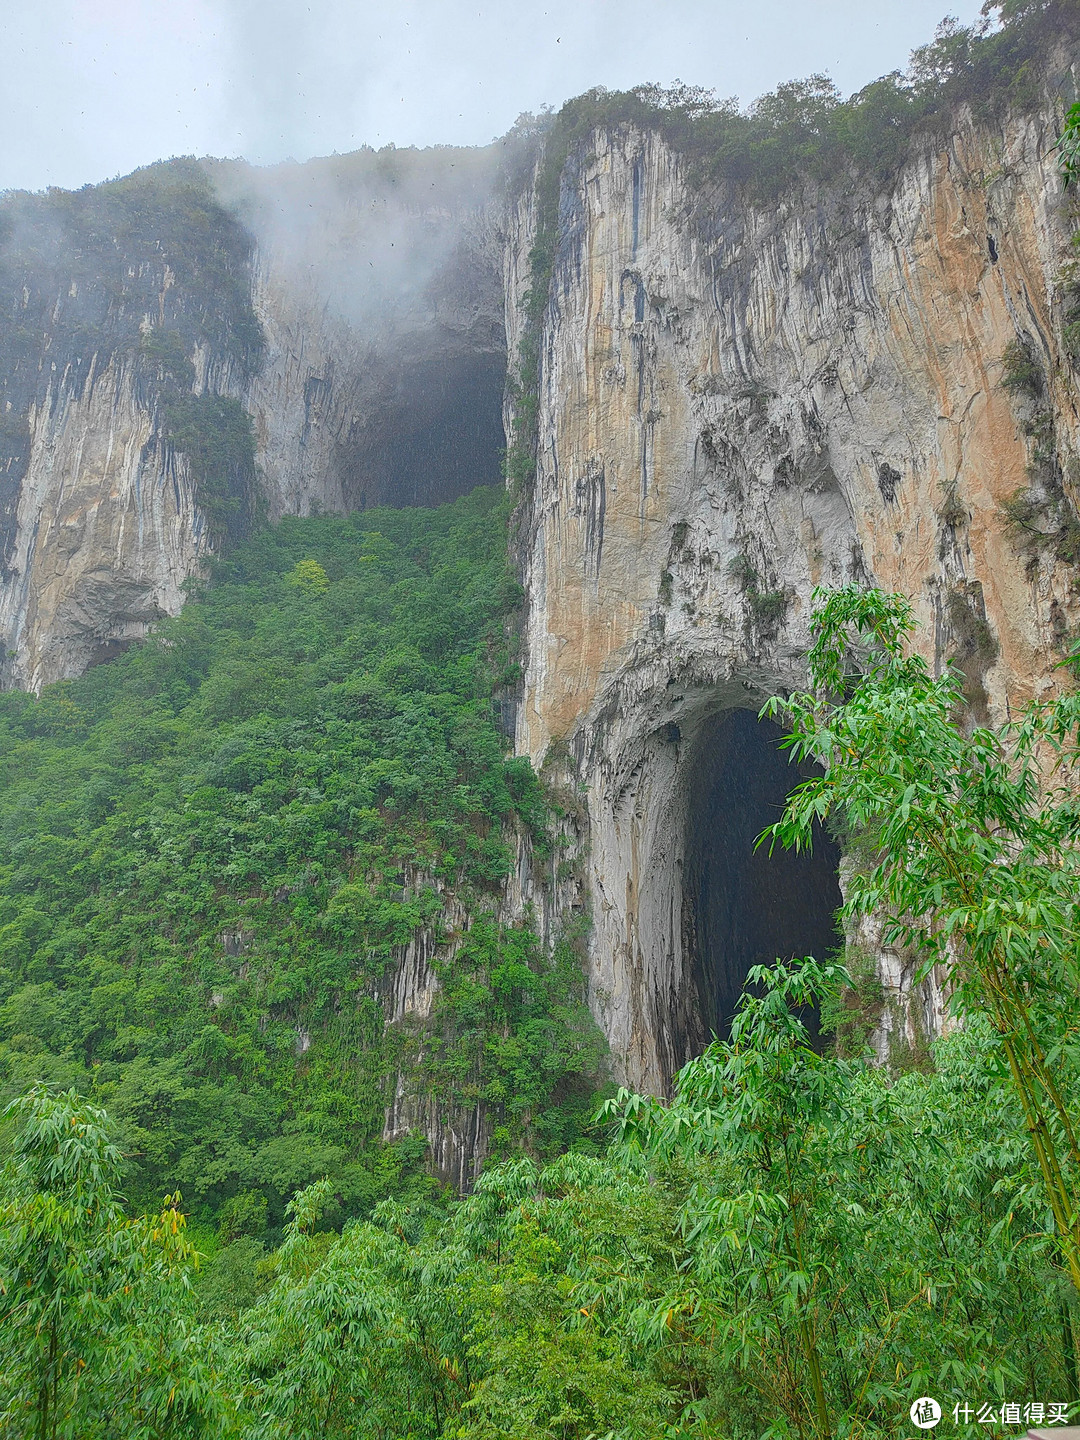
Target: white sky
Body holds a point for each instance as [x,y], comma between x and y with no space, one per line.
[93,88]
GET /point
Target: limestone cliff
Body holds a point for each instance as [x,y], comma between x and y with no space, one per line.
[106,530]
[378,285]
[352,307]
[736,404]
[115,303]
[865,378]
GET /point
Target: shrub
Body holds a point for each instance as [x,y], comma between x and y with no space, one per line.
[1021,373]
[309,577]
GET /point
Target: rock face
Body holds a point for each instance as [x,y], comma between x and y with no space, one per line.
[378,285]
[114,300]
[376,282]
[737,405]
[107,531]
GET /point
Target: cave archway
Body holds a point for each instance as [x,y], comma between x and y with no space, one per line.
[742,906]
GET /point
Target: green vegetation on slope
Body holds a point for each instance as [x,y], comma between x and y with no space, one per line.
[212,850]
[798,1245]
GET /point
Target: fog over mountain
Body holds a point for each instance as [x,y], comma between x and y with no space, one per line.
[102,86]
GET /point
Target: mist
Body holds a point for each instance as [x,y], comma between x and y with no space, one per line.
[370,234]
[102,86]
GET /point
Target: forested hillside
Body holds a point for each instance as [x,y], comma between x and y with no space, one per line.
[266,934]
[212,848]
[801,1244]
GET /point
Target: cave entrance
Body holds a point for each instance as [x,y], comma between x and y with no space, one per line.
[436,433]
[743,907]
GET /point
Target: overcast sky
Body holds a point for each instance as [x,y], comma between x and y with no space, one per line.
[93,88]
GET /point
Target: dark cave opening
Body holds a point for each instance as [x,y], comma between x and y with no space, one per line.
[106,650]
[744,907]
[437,435]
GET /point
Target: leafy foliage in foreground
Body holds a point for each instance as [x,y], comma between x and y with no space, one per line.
[796,1246]
[973,836]
[94,1307]
[212,850]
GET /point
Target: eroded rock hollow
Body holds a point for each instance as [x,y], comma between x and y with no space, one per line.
[738,403]
[746,904]
[349,310]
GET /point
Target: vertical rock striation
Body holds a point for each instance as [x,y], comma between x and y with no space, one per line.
[106,530]
[115,301]
[353,307]
[737,404]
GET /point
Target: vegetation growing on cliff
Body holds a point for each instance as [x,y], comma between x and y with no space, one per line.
[803,131]
[766,606]
[81,269]
[799,1244]
[216,435]
[806,130]
[1039,517]
[142,270]
[212,848]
